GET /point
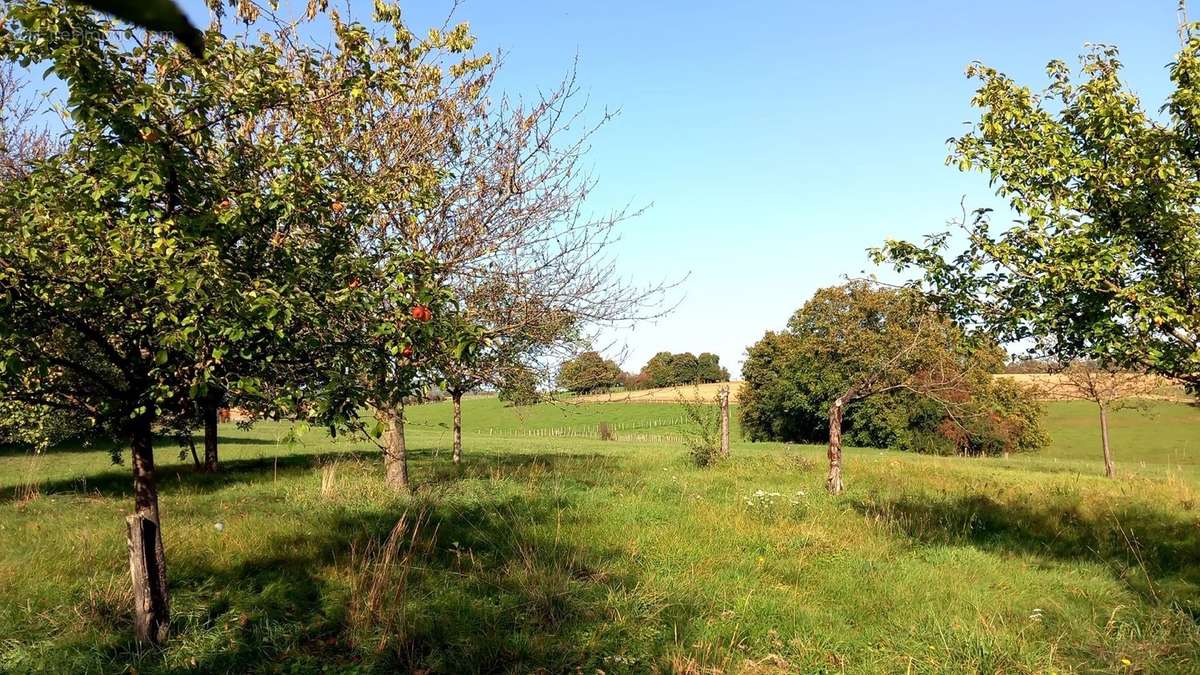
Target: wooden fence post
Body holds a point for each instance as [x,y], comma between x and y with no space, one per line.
[723,399]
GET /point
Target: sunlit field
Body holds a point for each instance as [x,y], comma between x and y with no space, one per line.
[563,553]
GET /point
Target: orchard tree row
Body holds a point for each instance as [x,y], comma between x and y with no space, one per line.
[306,230]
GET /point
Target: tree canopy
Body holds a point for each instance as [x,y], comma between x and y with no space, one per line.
[904,375]
[666,369]
[587,373]
[208,225]
[1103,258]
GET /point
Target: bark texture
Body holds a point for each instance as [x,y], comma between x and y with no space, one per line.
[147,558]
[1110,469]
[210,411]
[456,396]
[396,453]
[834,482]
[723,398]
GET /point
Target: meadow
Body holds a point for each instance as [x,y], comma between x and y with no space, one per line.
[552,551]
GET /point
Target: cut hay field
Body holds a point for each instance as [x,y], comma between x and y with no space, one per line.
[704,393]
[1047,387]
[1050,387]
[558,554]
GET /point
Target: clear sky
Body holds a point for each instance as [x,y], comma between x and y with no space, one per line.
[776,141]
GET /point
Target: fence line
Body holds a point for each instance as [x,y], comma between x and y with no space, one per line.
[621,432]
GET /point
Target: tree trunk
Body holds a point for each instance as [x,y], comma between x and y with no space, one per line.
[834,483]
[1110,469]
[396,454]
[192,447]
[456,396]
[723,399]
[147,559]
[209,407]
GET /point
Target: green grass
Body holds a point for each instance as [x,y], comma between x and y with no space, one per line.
[490,416]
[576,555]
[1152,432]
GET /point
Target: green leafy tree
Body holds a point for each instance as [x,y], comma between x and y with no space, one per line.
[392,136]
[666,369]
[1103,259]
[660,369]
[159,15]
[587,373]
[709,368]
[685,368]
[498,359]
[857,363]
[168,249]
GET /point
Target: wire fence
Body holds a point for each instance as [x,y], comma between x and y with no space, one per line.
[637,432]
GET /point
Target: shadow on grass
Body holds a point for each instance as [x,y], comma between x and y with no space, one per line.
[108,445]
[1137,541]
[116,480]
[578,466]
[480,587]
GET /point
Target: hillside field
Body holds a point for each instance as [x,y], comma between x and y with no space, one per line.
[563,553]
[692,392]
[1045,386]
[1050,387]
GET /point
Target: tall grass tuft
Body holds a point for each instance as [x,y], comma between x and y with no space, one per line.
[605,432]
[379,613]
[702,431]
[29,489]
[329,480]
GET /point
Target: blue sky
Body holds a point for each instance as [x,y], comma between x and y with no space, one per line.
[776,141]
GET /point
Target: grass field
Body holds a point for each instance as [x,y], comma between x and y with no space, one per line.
[566,554]
[571,418]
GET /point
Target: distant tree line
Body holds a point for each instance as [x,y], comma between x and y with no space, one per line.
[590,372]
[665,369]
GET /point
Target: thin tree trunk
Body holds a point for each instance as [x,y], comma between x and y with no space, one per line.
[834,482]
[209,407]
[192,446]
[456,396]
[1110,469]
[396,454]
[147,558]
[723,399]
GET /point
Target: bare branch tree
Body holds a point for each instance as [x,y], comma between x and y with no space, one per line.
[1106,387]
[509,226]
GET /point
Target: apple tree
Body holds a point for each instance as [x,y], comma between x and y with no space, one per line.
[196,231]
[1102,260]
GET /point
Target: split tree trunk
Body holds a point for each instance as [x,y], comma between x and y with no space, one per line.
[396,454]
[210,407]
[723,399]
[834,482]
[1110,469]
[456,396]
[147,558]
